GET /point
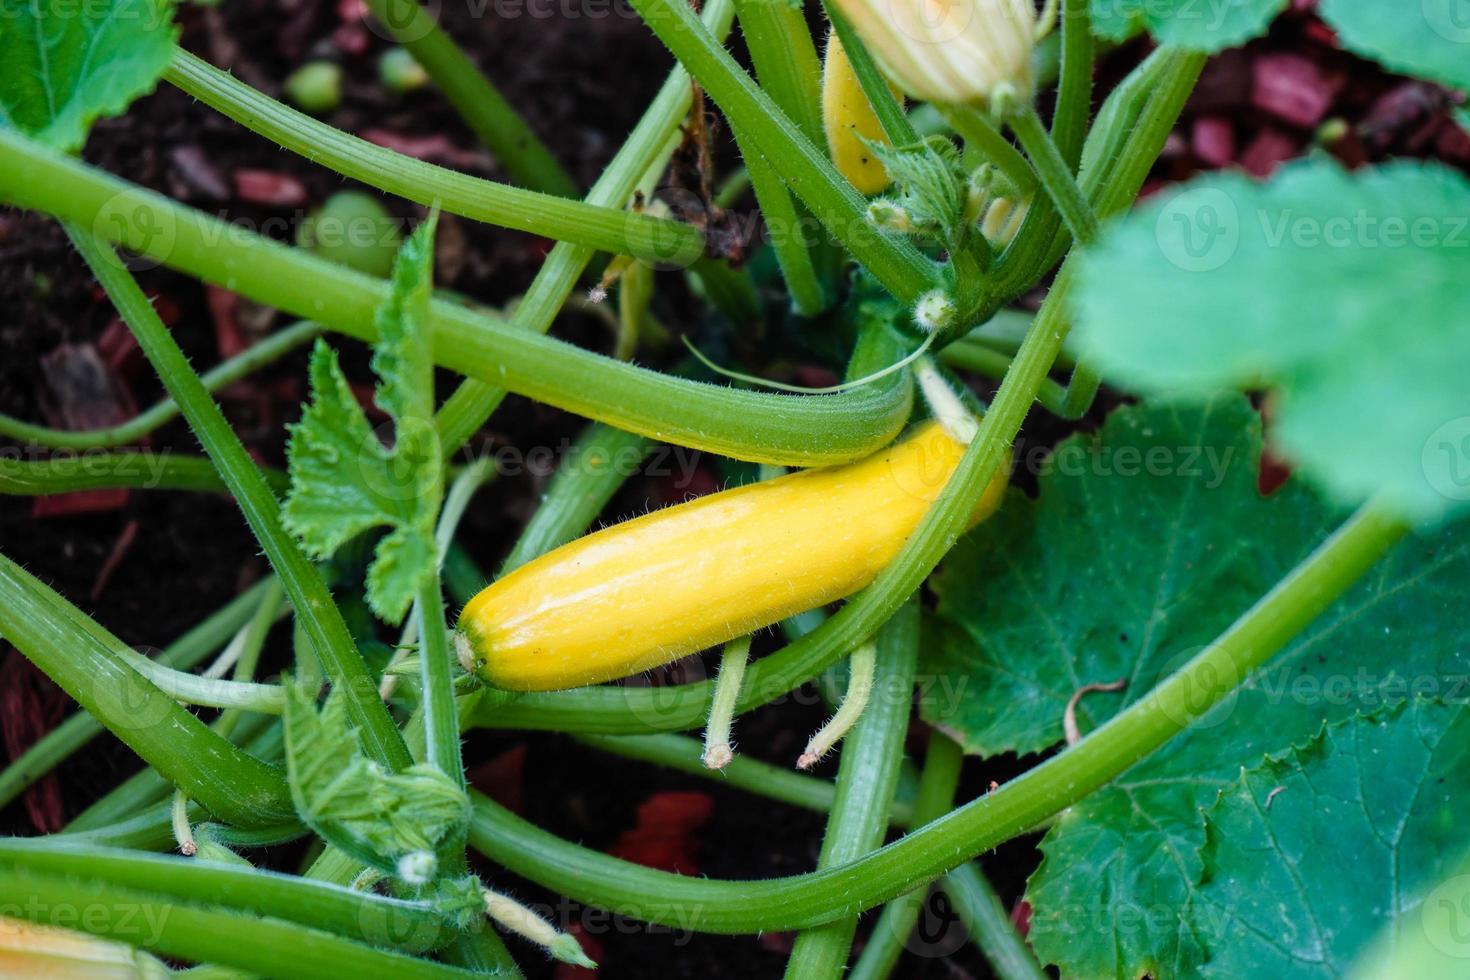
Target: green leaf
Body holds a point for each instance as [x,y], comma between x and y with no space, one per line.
[66,65]
[1309,853]
[1345,292]
[1199,25]
[933,188]
[1145,542]
[344,480]
[390,820]
[1430,38]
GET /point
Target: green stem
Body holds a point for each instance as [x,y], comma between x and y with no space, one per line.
[314,607]
[99,469]
[646,152]
[194,646]
[684,754]
[226,373]
[441,719]
[609,229]
[783,222]
[900,267]
[866,779]
[809,899]
[1074,89]
[626,711]
[1056,176]
[785,60]
[91,665]
[761,427]
[349,912]
[891,932]
[980,134]
[267,946]
[478,102]
[192,689]
[259,735]
[979,908]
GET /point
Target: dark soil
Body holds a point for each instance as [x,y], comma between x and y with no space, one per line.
[149,564]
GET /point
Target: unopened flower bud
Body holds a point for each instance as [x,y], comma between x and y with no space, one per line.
[935,311]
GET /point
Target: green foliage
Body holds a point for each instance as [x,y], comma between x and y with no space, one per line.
[1345,292]
[1145,542]
[933,202]
[392,821]
[64,66]
[344,480]
[1310,852]
[1192,24]
[1428,40]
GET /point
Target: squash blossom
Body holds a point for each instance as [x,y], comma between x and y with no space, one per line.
[651,590]
[955,51]
[30,950]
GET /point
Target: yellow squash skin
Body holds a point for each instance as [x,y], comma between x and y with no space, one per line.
[848,118]
[653,589]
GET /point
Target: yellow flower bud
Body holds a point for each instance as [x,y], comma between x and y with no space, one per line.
[851,123]
[29,950]
[960,51]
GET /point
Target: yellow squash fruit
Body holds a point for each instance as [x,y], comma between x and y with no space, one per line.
[848,118]
[654,589]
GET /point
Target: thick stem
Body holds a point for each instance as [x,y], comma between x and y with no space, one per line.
[1056,176]
[900,267]
[866,780]
[478,102]
[609,229]
[761,427]
[303,583]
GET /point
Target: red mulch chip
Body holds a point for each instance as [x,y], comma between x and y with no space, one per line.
[270,188]
[665,836]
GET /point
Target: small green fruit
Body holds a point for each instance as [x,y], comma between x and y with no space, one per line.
[400,72]
[315,87]
[354,229]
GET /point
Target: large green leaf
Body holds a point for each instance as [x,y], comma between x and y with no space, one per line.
[1146,540]
[1310,853]
[62,65]
[1428,38]
[1346,293]
[1200,25]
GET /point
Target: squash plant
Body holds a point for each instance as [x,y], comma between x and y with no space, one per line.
[1242,715]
